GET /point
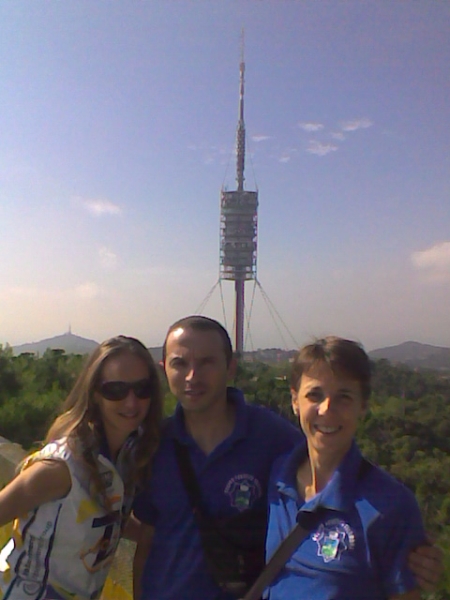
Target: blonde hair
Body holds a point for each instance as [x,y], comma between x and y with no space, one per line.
[81,422]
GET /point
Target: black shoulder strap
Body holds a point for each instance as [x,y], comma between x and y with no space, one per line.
[365,467]
[282,554]
[188,476]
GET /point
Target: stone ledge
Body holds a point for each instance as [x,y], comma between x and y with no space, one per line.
[10,456]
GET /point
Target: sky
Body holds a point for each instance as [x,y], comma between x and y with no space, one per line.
[118,123]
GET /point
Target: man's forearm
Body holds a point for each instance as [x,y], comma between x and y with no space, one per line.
[132,529]
[140,558]
[138,569]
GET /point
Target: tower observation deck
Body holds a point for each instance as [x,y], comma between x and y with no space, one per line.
[238,226]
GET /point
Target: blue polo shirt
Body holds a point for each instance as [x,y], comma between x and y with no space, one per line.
[232,478]
[359,546]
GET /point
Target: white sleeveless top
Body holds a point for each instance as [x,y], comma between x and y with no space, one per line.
[63,549]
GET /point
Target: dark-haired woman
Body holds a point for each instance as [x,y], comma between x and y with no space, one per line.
[71,499]
[362,522]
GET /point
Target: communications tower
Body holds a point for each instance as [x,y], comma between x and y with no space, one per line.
[238,226]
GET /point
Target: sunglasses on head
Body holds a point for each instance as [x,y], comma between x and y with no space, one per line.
[119,390]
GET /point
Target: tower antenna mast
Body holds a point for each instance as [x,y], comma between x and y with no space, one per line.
[240,137]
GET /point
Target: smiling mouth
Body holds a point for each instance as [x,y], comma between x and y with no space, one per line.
[193,392]
[327,430]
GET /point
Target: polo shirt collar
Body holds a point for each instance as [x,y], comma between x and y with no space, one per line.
[338,494]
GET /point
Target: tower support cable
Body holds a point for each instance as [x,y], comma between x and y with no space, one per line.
[272,309]
[223,305]
[248,333]
[205,300]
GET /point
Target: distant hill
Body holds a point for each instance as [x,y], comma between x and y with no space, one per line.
[75,344]
[415,355]
[71,344]
[269,355]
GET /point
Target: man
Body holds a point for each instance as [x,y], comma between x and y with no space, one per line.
[231,445]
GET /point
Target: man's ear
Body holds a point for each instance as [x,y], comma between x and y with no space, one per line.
[162,366]
[232,368]
[294,401]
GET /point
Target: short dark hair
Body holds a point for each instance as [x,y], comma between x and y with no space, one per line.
[340,355]
[201,323]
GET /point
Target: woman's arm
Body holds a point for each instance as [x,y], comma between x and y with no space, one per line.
[142,550]
[44,481]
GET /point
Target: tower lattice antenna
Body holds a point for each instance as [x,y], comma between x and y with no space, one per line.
[240,138]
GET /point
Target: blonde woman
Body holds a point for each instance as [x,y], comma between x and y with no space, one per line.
[71,499]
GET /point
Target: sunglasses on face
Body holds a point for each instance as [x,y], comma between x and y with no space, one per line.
[119,390]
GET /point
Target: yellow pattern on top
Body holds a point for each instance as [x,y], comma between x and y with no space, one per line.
[86,510]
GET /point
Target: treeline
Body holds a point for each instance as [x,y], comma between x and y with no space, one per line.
[406,431]
[32,391]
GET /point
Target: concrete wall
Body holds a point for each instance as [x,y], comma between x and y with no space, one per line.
[10,456]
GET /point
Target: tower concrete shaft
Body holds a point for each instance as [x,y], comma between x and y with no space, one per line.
[238,225]
[239,317]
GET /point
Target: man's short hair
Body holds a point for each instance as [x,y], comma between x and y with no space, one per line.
[201,323]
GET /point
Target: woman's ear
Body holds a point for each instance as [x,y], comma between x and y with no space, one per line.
[364,408]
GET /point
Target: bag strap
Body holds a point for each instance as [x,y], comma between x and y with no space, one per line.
[287,548]
[188,477]
[277,561]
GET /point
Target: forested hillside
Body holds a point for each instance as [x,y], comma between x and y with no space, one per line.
[407,430]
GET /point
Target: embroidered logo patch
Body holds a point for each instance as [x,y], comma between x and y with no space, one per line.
[333,538]
[243,490]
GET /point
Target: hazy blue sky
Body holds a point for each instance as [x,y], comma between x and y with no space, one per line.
[117,130]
